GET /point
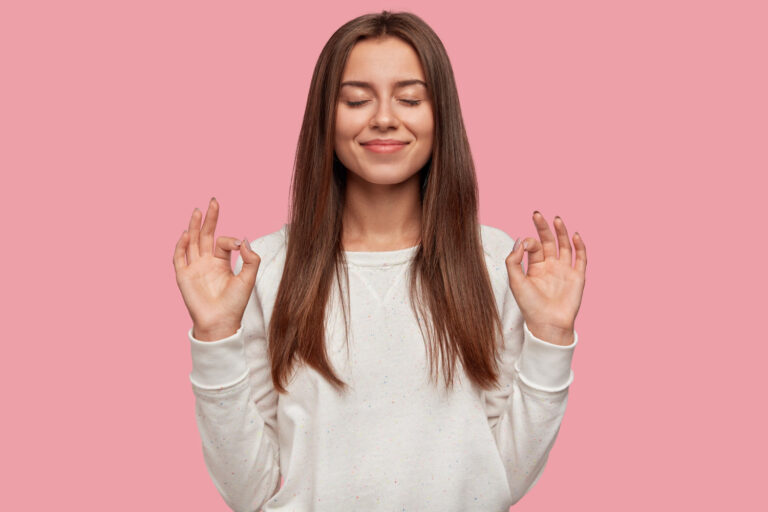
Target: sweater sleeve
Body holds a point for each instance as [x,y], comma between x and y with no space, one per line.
[525,413]
[235,407]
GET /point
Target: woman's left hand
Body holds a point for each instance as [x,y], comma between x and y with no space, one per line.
[549,293]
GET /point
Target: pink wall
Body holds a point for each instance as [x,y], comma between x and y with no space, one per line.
[643,125]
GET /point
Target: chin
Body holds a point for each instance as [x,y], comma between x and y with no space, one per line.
[382,177]
[378,179]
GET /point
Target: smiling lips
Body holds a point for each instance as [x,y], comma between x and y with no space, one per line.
[384,145]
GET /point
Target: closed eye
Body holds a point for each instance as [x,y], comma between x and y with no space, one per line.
[412,103]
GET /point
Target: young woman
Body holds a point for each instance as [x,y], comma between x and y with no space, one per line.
[312,360]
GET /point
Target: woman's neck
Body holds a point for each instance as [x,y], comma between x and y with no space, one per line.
[381,217]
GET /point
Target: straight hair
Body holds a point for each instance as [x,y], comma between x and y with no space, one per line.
[450,290]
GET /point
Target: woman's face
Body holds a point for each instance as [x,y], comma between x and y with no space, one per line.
[383,109]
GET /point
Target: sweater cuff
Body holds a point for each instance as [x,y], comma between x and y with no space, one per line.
[218,364]
[543,365]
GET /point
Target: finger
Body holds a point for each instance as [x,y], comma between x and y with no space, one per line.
[209,225]
[563,241]
[179,262]
[193,250]
[251,262]
[514,263]
[534,249]
[581,253]
[547,238]
[224,247]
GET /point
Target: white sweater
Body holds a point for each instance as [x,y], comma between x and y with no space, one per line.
[396,442]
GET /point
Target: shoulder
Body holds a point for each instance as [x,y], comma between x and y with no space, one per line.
[497,244]
[270,248]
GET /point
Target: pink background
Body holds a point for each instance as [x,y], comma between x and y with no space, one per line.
[643,124]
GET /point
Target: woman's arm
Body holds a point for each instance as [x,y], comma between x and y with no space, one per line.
[525,413]
[236,407]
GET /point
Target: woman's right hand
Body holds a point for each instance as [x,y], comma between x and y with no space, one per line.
[215,297]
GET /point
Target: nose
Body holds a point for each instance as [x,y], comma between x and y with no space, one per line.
[384,116]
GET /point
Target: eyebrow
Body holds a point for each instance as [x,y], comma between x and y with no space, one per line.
[367,85]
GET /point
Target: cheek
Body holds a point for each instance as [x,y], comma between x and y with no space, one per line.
[424,124]
[426,129]
[347,126]
[342,136]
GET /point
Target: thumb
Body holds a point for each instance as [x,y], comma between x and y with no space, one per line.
[515,263]
[251,262]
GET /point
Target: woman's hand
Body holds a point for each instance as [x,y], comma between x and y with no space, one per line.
[215,297]
[549,293]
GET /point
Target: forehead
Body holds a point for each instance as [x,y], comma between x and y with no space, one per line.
[382,62]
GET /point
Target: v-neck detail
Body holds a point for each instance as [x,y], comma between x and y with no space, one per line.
[380,282]
[380,271]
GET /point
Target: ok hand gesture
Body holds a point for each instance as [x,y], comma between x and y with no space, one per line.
[549,294]
[215,297]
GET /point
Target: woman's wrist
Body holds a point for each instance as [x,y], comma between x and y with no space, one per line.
[216,333]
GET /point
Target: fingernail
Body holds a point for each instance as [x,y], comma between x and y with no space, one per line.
[514,247]
[536,211]
[237,243]
[525,244]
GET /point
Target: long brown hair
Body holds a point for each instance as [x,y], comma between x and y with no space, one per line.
[449,276]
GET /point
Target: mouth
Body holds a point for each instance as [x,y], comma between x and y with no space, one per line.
[384,146]
[383,142]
